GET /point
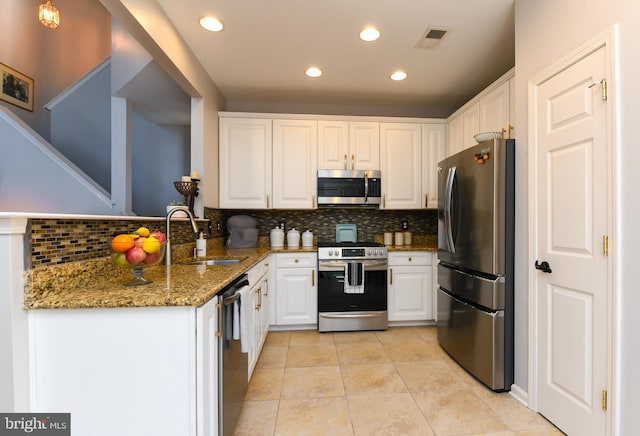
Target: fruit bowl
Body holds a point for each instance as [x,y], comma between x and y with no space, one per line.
[138,250]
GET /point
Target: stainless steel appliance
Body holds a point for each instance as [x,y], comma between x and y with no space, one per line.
[476,249]
[352,286]
[233,364]
[349,188]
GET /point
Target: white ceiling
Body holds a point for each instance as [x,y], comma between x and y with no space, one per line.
[261,55]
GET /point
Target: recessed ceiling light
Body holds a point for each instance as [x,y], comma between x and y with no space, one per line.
[369,34]
[398,75]
[211,23]
[313,72]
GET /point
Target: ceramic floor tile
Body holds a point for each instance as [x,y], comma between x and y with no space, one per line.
[272,357]
[467,378]
[372,378]
[265,384]
[362,353]
[398,335]
[457,412]
[257,418]
[307,337]
[541,432]
[428,376]
[391,414]
[355,337]
[312,355]
[314,416]
[312,382]
[277,338]
[514,414]
[427,333]
[413,351]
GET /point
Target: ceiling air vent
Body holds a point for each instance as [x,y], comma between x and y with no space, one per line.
[431,37]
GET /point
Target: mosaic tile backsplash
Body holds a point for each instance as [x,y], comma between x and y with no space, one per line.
[58,241]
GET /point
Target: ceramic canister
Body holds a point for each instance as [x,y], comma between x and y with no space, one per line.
[293,238]
[307,239]
[399,238]
[277,238]
[388,238]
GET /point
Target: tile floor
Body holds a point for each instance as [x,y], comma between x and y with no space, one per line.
[396,382]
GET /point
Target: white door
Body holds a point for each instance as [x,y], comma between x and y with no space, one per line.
[571,191]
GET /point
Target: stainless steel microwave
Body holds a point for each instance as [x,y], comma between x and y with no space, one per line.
[349,188]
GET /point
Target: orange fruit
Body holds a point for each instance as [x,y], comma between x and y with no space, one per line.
[122,243]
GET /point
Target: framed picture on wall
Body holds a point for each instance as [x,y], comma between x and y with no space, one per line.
[17,88]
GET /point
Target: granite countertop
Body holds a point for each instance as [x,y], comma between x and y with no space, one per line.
[97,283]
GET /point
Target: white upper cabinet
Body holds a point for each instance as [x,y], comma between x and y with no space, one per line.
[245,163]
[295,152]
[400,162]
[348,145]
[433,151]
[470,125]
[494,111]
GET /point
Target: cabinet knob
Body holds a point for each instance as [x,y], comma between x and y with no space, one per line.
[296,261]
[409,259]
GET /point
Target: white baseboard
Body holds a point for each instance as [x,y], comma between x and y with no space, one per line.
[520,394]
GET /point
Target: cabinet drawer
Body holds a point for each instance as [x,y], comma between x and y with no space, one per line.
[296,260]
[409,258]
[258,271]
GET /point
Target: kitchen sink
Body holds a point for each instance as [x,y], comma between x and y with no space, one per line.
[211,262]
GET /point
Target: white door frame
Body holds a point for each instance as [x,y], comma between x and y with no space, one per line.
[606,39]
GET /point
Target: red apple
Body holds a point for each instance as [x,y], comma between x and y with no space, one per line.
[135,255]
[153,258]
[159,236]
[139,241]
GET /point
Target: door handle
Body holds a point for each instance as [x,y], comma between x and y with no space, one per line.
[544,266]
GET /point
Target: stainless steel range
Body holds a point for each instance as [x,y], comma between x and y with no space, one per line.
[352,286]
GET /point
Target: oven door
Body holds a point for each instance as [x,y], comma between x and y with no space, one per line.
[352,285]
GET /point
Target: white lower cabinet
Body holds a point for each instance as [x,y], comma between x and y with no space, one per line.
[410,290]
[117,371]
[296,290]
[260,301]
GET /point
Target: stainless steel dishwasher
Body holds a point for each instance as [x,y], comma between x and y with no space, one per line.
[233,363]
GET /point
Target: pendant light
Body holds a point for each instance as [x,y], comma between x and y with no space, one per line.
[49,15]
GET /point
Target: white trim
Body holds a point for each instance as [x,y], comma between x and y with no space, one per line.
[223,114]
[520,395]
[608,41]
[84,79]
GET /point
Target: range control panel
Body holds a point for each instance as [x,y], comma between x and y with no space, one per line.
[352,253]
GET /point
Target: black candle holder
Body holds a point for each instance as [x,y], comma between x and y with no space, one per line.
[190,192]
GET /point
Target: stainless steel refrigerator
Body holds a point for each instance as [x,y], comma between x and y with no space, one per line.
[476,248]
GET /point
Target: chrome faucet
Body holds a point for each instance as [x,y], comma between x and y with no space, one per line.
[194,226]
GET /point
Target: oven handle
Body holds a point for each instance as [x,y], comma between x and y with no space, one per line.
[331,265]
[355,315]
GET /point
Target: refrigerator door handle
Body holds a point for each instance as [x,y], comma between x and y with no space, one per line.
[448,196]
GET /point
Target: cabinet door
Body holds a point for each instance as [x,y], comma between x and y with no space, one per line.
[400,161]
[364,145]
[455,142]
[295,167]
[245,163]
[207,367]
[494,110]
[409,296]
[333,144]
[433,151]
[296,296]
[470,125]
